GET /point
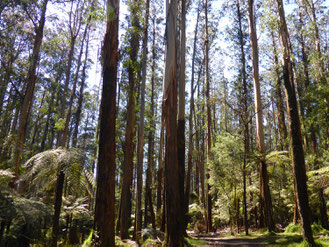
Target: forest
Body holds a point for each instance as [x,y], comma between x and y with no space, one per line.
[164,123]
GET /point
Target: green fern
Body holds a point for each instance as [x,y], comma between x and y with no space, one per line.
[42,169]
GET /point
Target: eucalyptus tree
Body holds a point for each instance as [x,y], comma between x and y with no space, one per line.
[105,195]
[266,211]
[76,17]
[181,106]
[190,143]
[173,200]
[296,145]
[245,96]
[207,82]
[130,126]
[140,147]
[31,79]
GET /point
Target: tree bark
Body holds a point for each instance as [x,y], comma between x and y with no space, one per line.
[209,199]
[105,195]
[150,165]
[57,207]
[129,136]
[50,112]
[69,113]
[181,111]
[245,114]
[175,219]
[160,169]
[279,101]
[296,143]
[265,196]
[190,145]
[80,100]
[28,97]
[140,145]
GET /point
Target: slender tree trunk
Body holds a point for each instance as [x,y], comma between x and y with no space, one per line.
[245,115]
[129,136]
[160,169]
[57,207]
[37,124]
[323,206]
[66,85]
[105,195]
[149,171]
[181,111]
[28,97]
[279,100]
[80,100]
[69,113]
[199,168]
[50,111]
[190,145]
[209,199]
[140,145]
[265,196]
[296,143]
[160,160]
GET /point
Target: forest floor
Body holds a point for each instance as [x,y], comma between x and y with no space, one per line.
[254,239]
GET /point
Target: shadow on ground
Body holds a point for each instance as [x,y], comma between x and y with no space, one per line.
[263,240]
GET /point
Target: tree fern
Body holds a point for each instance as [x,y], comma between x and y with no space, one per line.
[42,168]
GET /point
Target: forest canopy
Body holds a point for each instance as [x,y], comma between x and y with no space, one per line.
[167,123]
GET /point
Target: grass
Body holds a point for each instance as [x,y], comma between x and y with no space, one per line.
[194,242]
[286,239]
[290,238]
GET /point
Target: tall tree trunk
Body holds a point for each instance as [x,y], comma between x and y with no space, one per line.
[190,145]
[296,143]
[279,100]
[69,113]
[175,219]
[50,112]
[75,22]
[181,110]
[140,145]
[265,196]
[28,97]
[160,160]
[57,207]
[80,100]
[149,171]
[105,195]
[160,169]
[66,85]
[320,72]
[37,123]
[129,136]
[62,143]
[209,199]
[323,206]
[245,114]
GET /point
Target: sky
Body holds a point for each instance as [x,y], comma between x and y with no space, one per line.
[95,46]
